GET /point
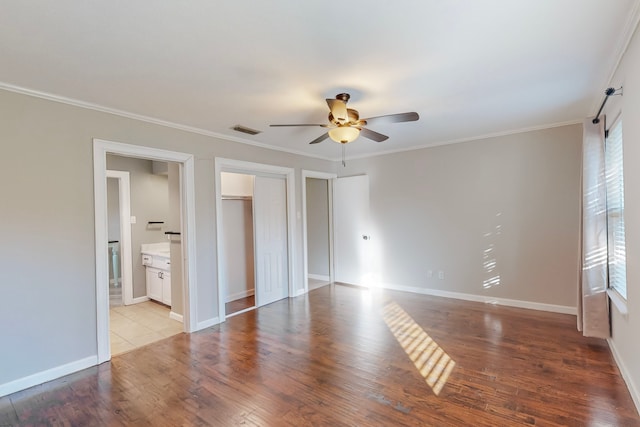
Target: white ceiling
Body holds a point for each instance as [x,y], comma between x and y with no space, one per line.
[469,67]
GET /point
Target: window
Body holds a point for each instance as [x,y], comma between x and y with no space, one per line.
[617,256]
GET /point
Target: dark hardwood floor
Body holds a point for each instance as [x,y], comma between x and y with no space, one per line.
[344,356]
[239,304]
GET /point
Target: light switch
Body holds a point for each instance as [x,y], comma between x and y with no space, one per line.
[133,219]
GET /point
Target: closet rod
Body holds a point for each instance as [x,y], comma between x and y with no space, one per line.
[237,197]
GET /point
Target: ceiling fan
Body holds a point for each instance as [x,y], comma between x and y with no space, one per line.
[345,124]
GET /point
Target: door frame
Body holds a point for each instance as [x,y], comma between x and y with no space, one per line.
[251,168]
[330,177]
[124,200]
[100,150]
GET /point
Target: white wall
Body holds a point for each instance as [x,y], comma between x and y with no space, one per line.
[625,341]
[318,226]
[47,293]
[511,200]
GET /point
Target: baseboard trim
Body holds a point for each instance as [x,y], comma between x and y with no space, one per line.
[175,316]
[484,298]
[48,375]
[207,323]
[139,300]
[241,294]
[319,277]
[633,390]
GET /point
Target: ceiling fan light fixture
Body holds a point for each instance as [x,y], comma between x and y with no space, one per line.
[344,134]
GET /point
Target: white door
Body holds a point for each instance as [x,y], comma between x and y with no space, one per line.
[351,230]
[270,234]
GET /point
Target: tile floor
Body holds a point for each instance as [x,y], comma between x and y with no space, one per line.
[136,325]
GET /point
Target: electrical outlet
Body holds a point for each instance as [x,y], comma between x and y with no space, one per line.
[441,275]
[429,274]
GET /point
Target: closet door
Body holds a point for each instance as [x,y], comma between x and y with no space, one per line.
[270,231]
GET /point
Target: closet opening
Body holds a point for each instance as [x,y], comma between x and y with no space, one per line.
[255,222]
[237,240]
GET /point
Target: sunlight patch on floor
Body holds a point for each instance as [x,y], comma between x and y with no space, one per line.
[433,363]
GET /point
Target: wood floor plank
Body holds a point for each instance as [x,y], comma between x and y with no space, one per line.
[345,356]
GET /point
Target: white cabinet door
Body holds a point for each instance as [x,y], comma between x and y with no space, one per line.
[166,287]
[154,284]
[270,236]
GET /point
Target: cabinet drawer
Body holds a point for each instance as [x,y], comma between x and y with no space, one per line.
[155,261]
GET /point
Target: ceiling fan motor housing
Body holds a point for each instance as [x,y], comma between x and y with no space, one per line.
[353,118]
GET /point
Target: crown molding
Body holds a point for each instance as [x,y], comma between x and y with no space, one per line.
[96,107]
[468,139]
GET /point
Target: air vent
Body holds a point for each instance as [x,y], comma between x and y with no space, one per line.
[245,129]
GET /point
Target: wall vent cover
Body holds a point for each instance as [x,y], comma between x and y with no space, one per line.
[246,130]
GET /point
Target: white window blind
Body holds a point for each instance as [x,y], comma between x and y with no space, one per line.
[617,255]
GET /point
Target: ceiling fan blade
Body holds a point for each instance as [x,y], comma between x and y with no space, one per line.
[338,109]
[305,124]
[394,118]
[375,136]
[320,138]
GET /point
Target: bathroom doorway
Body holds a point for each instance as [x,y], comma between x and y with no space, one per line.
[179,232]
[151,209]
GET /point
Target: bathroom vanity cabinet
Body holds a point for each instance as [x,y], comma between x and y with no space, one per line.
[159,285]
[158,274]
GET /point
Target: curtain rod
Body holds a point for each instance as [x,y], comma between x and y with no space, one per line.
[609,92]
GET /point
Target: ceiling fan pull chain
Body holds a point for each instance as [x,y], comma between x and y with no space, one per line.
[344,147]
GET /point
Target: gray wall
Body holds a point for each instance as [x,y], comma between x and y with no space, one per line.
[149,202]
[174,223]
[48,311]
[625,342]
[113,219]
[237,223]
[113,209]
[512,200]
[318,226]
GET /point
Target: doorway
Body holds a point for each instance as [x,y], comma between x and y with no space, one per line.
[317,223]
[273,218]
[153,308]
[238,242]
[186,223]
[119,238]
